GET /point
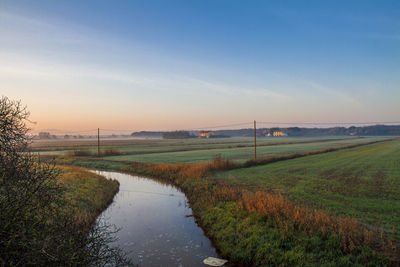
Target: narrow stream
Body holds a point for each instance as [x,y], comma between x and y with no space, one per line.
[154,230]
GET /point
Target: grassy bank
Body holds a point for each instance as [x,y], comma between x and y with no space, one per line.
[88,194]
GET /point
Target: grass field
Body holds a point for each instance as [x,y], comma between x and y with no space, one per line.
[362,182]
[197,150]
[159,145]
[238,154]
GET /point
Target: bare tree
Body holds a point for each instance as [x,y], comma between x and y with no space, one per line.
[35,227]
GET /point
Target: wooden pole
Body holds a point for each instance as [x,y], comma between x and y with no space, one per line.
[98,142]
[255,141]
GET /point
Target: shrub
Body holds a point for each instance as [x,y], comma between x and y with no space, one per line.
[36,225]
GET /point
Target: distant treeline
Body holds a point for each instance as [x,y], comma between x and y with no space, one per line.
[376,130]
[389,130]
[177,135]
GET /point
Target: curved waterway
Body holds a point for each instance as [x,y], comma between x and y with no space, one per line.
[154,227]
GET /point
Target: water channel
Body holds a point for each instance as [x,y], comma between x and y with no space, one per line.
[154,222]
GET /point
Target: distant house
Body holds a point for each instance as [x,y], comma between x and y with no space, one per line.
[205,134]
[279,133]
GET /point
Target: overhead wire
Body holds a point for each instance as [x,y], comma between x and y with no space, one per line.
[68,132]
[328,123]
[222,126]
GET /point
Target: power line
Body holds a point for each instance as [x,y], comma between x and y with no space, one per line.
[68,132]
[115,130]
[223,126]
[330,123]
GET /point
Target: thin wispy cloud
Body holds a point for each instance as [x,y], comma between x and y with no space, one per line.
[30,31]
[341,96]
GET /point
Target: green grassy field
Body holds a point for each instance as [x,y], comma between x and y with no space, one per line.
[143,146]
[238,154]
[197,150]
[362,182]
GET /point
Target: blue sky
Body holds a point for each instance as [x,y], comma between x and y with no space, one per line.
[148,65]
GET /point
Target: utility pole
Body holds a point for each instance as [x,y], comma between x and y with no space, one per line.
[255,141]
[98,142]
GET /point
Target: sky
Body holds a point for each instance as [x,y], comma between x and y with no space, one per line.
[166,65]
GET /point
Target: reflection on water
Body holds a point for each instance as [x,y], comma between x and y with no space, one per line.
[154,229]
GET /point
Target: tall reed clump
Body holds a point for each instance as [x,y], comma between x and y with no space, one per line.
[206,195]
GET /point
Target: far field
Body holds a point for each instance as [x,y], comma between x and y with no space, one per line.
[197,150]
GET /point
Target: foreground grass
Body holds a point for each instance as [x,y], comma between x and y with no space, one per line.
[361,182]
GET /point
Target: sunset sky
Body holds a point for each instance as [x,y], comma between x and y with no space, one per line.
[164,65]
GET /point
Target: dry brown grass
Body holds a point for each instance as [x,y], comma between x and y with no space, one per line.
[290,216]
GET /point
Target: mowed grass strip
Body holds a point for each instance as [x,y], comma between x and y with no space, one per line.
[238,154]
[361,182]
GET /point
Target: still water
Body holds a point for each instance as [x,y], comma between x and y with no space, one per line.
[154,230]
